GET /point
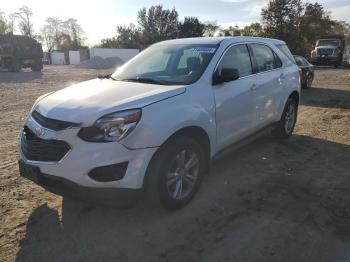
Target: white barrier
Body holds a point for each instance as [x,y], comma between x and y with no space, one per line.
[57,58]
[124,54]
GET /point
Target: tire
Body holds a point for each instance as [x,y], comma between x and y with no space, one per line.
[15,66]
[284,130]
[37,67]
[169,183]
[308,81]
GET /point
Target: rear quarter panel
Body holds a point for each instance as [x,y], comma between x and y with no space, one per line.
[291,82]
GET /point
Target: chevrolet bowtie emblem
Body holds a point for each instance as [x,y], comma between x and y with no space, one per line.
[39,131]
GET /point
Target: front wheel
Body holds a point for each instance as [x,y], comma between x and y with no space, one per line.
[288,119]
[176,172]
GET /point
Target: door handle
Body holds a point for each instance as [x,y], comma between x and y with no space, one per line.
[253,87]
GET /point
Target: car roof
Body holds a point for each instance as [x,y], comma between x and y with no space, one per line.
[218,40]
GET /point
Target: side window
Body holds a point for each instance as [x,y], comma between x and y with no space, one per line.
[264,57]
[237,57]
[278,62]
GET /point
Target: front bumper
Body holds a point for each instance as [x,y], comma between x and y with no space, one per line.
[324,60]
[65,187]
[86,156]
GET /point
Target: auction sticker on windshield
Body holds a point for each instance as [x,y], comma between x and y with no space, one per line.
[208,50]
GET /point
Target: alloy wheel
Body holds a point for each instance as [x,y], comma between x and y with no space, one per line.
[309,81]
[183,174]
[290,117]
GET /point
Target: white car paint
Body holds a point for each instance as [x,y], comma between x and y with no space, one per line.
[227,113]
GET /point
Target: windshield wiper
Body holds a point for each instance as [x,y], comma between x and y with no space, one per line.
[143,80]
[109,76]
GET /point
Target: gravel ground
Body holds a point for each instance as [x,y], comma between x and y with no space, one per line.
[268,201]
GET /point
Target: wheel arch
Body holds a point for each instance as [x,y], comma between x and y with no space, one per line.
[295,95]
[195,132]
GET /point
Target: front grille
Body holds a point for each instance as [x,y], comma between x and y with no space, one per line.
[36,149]
[52,124]
[325,51]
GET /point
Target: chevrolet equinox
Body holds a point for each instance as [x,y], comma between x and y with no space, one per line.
[154,125]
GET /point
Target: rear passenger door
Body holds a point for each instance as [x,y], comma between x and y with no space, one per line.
[269,84]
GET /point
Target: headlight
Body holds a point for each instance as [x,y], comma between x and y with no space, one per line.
[111,127]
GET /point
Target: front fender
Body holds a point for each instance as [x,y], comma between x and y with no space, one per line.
[163,119]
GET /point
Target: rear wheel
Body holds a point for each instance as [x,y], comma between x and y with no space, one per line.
[15,65]
[308,81]
[288,119]
[175,173]
[38,66]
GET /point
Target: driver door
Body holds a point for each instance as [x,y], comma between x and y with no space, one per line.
[234,108]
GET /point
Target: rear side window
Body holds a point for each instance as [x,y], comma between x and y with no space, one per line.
[285,50]
[265,58]
[237,57]
[278,62]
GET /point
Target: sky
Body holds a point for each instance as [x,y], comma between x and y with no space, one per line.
[100,18]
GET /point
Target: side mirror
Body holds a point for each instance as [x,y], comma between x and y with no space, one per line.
[225,75]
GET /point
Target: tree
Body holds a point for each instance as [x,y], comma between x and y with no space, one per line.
[75,33]
[6,25]
[254,29]
[210,28]
[127,37]
[3,23]
[315,22]
[281,19]
[62,35]
[341,28]
[108,43]
[230,31]
[11,24]
[191,27]
[24,15]
[52,33]
[157,24]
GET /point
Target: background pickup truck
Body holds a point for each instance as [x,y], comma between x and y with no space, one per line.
[328,50]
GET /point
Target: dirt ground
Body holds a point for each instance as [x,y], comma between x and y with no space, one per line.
[268,201]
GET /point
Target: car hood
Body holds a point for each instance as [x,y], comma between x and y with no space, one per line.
[87,101]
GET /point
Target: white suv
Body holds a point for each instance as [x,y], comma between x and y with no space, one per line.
[157,121]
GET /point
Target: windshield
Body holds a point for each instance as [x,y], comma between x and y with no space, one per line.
[167,64]
[328,42]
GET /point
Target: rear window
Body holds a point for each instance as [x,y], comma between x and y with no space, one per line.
[285,50]
[299,61]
